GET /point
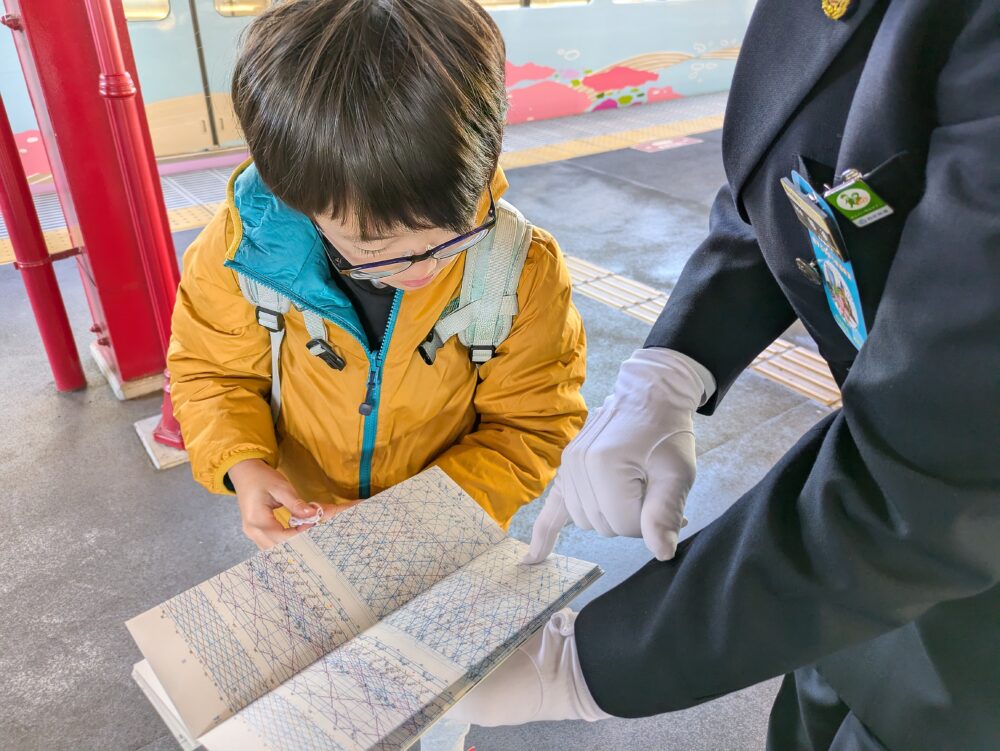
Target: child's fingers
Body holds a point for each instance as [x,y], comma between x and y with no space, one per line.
[288,498]
[259,522]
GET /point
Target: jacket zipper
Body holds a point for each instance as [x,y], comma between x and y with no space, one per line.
[369,407]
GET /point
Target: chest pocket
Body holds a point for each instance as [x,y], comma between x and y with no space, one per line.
[872,248]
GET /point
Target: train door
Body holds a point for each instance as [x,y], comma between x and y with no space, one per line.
[221,22]
[163,35]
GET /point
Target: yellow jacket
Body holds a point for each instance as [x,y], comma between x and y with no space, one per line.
[497,431]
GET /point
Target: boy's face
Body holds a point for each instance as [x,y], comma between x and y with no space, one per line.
[344,236]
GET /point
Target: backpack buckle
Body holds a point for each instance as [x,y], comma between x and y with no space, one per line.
[271,320]
[321,348]
[481,353]
[429,347]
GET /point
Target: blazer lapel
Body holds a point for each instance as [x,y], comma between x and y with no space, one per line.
[791,44]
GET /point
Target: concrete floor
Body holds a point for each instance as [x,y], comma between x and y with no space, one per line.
[97,536]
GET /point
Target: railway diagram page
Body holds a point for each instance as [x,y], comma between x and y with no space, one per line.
[357,634]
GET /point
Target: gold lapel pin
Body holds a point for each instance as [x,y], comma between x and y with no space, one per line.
[835,9]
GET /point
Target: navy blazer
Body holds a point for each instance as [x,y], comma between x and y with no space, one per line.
[872,549]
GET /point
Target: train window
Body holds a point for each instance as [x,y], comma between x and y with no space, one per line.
[146,10]
[230,8]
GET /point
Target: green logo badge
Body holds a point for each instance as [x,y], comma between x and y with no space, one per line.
[859,203]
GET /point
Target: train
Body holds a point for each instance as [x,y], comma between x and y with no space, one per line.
[564,57]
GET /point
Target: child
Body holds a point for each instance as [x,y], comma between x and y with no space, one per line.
[375,129]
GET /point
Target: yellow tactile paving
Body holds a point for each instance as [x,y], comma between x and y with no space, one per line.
[774,348]
[648,311]
[611,142]
[189,217]
[618,292]
[56,241]
[797,368]
[802,371]
[581,271]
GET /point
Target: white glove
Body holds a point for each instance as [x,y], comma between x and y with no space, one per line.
[542,680]
[629,470]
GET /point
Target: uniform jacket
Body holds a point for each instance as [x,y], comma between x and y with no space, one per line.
[872,549]
[497,431]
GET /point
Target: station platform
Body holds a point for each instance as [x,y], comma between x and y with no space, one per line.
[98,536]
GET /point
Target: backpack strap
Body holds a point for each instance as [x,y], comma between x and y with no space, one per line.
[270,307]
[488,301]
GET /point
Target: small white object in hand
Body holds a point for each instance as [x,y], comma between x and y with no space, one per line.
[296,521]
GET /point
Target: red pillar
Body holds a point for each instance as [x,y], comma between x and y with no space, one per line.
[35,265]
[92,120]
[142,188]
[57,53]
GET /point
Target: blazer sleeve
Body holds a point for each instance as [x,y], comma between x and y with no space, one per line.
[887,507]
[726,307]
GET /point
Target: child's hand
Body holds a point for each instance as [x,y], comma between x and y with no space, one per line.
[260,490]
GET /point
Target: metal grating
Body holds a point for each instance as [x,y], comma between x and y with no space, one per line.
[223,175]
[200,187]
[173,196]
[50,214]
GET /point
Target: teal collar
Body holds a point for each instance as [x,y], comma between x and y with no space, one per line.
[282,250]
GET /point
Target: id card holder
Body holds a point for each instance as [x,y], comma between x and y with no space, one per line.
[836,272]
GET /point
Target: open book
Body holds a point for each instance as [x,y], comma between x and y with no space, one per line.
[358,634]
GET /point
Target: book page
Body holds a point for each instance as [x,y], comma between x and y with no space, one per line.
[143,675]
[383,688]
[228,641]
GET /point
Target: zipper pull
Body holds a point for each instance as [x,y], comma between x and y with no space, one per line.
[368,405]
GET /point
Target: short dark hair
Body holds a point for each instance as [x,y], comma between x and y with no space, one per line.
[391,109]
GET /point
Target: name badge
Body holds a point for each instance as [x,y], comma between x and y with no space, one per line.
[835,268]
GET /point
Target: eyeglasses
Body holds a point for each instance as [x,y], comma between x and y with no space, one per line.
[392,266]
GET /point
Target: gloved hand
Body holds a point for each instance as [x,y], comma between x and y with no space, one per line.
[629,470]
[542,680]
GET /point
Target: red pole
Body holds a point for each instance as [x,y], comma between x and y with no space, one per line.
[35,265]
[143,189]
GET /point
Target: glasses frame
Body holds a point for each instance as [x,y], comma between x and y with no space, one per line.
[346,268]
